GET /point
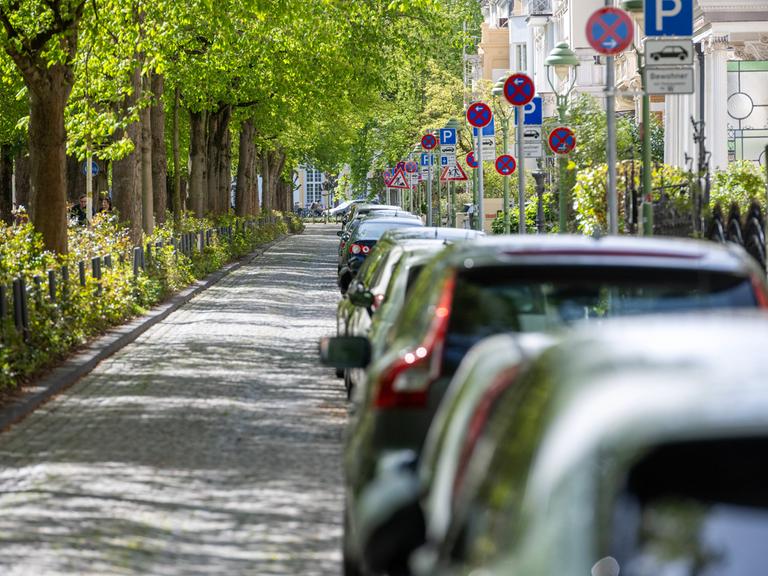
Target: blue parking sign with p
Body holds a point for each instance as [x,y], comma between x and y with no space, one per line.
[534,112]
[668,17]
[448,136]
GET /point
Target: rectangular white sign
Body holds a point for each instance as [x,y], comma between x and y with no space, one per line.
[669,80]
[668,52]
[532,143]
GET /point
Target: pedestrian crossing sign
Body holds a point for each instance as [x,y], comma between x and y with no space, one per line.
[453,174]
[398,181]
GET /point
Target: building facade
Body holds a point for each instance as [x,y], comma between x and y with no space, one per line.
[308,187]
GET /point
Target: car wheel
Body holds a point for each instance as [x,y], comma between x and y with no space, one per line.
[339,372]
[348,384]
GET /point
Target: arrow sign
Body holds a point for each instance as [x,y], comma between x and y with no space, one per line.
[471,162]
[453,174]
[479,114]
[562,140]
[398,181]
[610,31]
[519,89]
[506,165]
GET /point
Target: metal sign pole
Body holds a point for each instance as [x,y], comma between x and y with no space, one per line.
[520,171]
[610,106]
[480,199]
[439,185]
[429,189]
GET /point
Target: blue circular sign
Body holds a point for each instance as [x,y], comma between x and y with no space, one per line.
[610,31]
[506,165]
[471,162]
[479,114]
[519,89]
[428,142]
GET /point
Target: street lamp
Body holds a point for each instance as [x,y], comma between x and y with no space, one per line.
[563,61]
[504,112]
[451,216]
[635,8]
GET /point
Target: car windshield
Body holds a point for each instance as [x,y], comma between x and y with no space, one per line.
[533,299]
[374,229]
[695,508]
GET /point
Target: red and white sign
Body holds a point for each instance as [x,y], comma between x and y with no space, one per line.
[479,114]
[399,180]
[428,142]
[453,174]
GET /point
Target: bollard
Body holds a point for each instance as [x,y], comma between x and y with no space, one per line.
[201,241]
[96,270]
[38,282]
[52,286]
[20,312]
[148,254]
[108,260]
[136,260]
[3,304]
[81,271]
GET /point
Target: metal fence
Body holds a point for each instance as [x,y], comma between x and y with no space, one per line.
[22,296]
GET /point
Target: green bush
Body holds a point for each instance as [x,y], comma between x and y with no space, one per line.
[741,182]
[531,213]
[81,312]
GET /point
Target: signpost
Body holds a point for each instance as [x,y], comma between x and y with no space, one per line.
[562,140]
[506,165]
[669,80]
[428,142]
[479,115]
[453,174]
[519,90]
[399,180]
[534,112]
[532,142]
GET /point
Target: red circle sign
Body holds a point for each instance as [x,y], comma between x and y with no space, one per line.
[428,142]
[411,167]
[519,89]
[506,165]
[562,140]
[610,31]
[479,114]
[471,162]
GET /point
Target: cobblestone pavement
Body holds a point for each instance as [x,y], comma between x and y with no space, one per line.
[212,445]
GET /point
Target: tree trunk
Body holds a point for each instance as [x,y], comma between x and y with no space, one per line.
[48,94]
[197,160]
[159,159]
[276,163]
[21,182]
[265,181]
[244,167]
[211,168]
[6,184]
[126,173]
[225,164]
[147,192]
[178,207]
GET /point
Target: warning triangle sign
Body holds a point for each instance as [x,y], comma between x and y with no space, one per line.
[453,174]
[398,181]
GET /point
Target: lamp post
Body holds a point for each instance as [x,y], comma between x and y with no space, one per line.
[564,62]
[635,8]
[503,111]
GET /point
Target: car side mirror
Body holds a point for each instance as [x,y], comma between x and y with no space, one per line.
[339,233]
[361,297]
[345,352]
[391,520]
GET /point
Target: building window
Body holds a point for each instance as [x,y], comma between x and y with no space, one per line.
[313,187]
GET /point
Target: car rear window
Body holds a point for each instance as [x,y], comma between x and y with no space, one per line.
[373,230]
[490,300]
[695,508]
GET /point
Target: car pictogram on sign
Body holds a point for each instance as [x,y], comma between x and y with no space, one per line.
[670,52]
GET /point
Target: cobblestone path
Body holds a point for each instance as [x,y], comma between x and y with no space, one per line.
[212,445]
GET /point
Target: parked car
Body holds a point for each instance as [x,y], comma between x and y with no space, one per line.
[344,207]
[363,239]
[351,226]
[410,502]
[363,209]
[383,282]
[519,284]
[633,447]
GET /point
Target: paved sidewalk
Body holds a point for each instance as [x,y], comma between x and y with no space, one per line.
[211,445]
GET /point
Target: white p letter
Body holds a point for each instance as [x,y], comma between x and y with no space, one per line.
[661,13]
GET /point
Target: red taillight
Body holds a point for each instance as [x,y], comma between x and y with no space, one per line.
[394,389]
[359,249]
[759,289]
[377,300]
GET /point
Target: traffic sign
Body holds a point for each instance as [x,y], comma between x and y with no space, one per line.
[534,112]
[427,159]
[489,148]
[94,168]
[400,166]
[471,162]
[661,52]
[562,140]
[448,136]
[610,30]
[532,144]
[669,80]
[411,167]
[506,165]
[488,130]
[399,180]
[413,180]
[428,142]
[668,17]
[479,114]
[453,174]
[519,89]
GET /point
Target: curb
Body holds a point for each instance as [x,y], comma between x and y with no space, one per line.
[91,354]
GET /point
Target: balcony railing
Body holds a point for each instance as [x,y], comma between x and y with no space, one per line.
[539,7]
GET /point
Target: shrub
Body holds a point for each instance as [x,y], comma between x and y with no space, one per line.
[80,312]
[741,182]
